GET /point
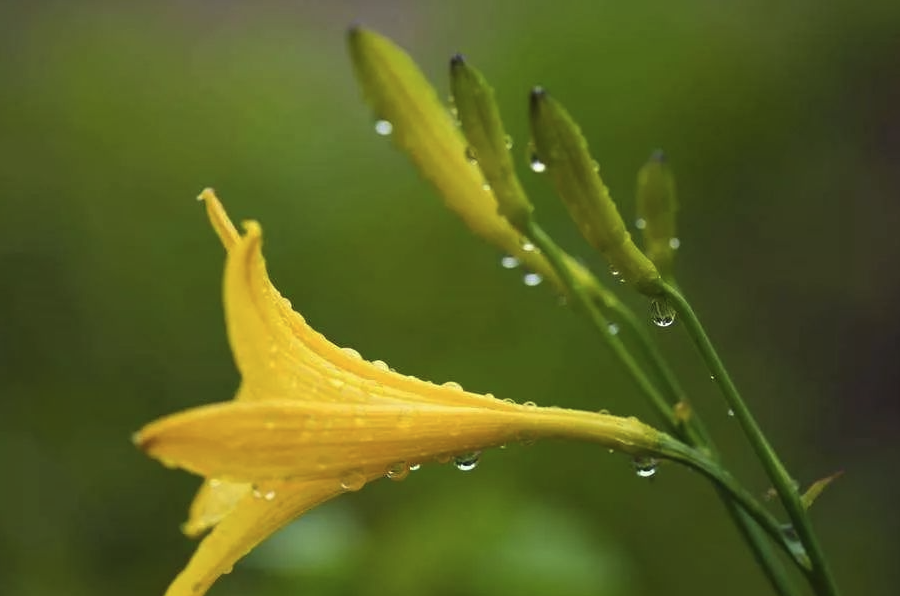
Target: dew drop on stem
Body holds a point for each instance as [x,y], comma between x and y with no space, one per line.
[645,467]
[661,312]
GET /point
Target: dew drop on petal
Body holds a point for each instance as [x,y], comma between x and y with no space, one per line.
[380,364]
[398,471]
[352,353]
[353,480]
[453,385]
[486,186]
[384,127]
[467,461]
[269,496]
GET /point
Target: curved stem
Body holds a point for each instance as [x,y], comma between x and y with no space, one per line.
[692,430]
[778,474]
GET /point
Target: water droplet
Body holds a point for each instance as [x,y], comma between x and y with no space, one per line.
[453,385]
[398,471]
[509,400]
[352,353]
[509,262]
[467,461]
[645,467]
[674,243]
[471,156]
[414,467]
[605,412]
[712,377]
[353,481]
[508,141]
[640,223]
[535,163]
[613,329]
[269,496]
[532,279]
[214,482]
[486,186]
[384,127]
[529,404]
[661,312]
[527,246]
[730,412]
[380,364]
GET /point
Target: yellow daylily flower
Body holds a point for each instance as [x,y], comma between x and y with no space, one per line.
[312,420]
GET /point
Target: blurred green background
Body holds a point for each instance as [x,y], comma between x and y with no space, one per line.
[781,119]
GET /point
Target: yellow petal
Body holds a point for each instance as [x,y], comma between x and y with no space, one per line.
[256,516]
[215,500]
[281,357]
[258,441]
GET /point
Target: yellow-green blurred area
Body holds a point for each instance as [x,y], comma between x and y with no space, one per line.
[781,121]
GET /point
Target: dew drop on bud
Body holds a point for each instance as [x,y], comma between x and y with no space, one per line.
[509,262]
[661,312]
[536,165]
[532,279]
[414,467]
[384,127]
[645,467]
[467,461]
[527,246]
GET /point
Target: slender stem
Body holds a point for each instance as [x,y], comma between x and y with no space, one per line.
[778,474]
[691,430]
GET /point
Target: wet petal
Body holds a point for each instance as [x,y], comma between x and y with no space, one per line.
[244,441]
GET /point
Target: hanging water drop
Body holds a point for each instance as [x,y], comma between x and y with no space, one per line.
[414,467]
[352,353]
[509,262]
[613,329]
[467,461]
[532,279]
[674,243]
[645,467]
[384,127]
[536,165]
[661,312]
[640,223]
[353,481]
[398,471]
[731,412]
[471,156]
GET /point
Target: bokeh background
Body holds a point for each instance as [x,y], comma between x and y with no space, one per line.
[781,120]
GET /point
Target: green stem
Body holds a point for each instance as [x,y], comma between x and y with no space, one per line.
[821,574]
[693,431]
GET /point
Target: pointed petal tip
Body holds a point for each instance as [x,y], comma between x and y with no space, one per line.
[207,194]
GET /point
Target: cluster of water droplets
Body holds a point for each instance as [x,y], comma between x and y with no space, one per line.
[267,495]
[529,278]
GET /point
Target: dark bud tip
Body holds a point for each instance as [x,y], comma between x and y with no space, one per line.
[538,94]
[457,60]
[354,29]
[658,156]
